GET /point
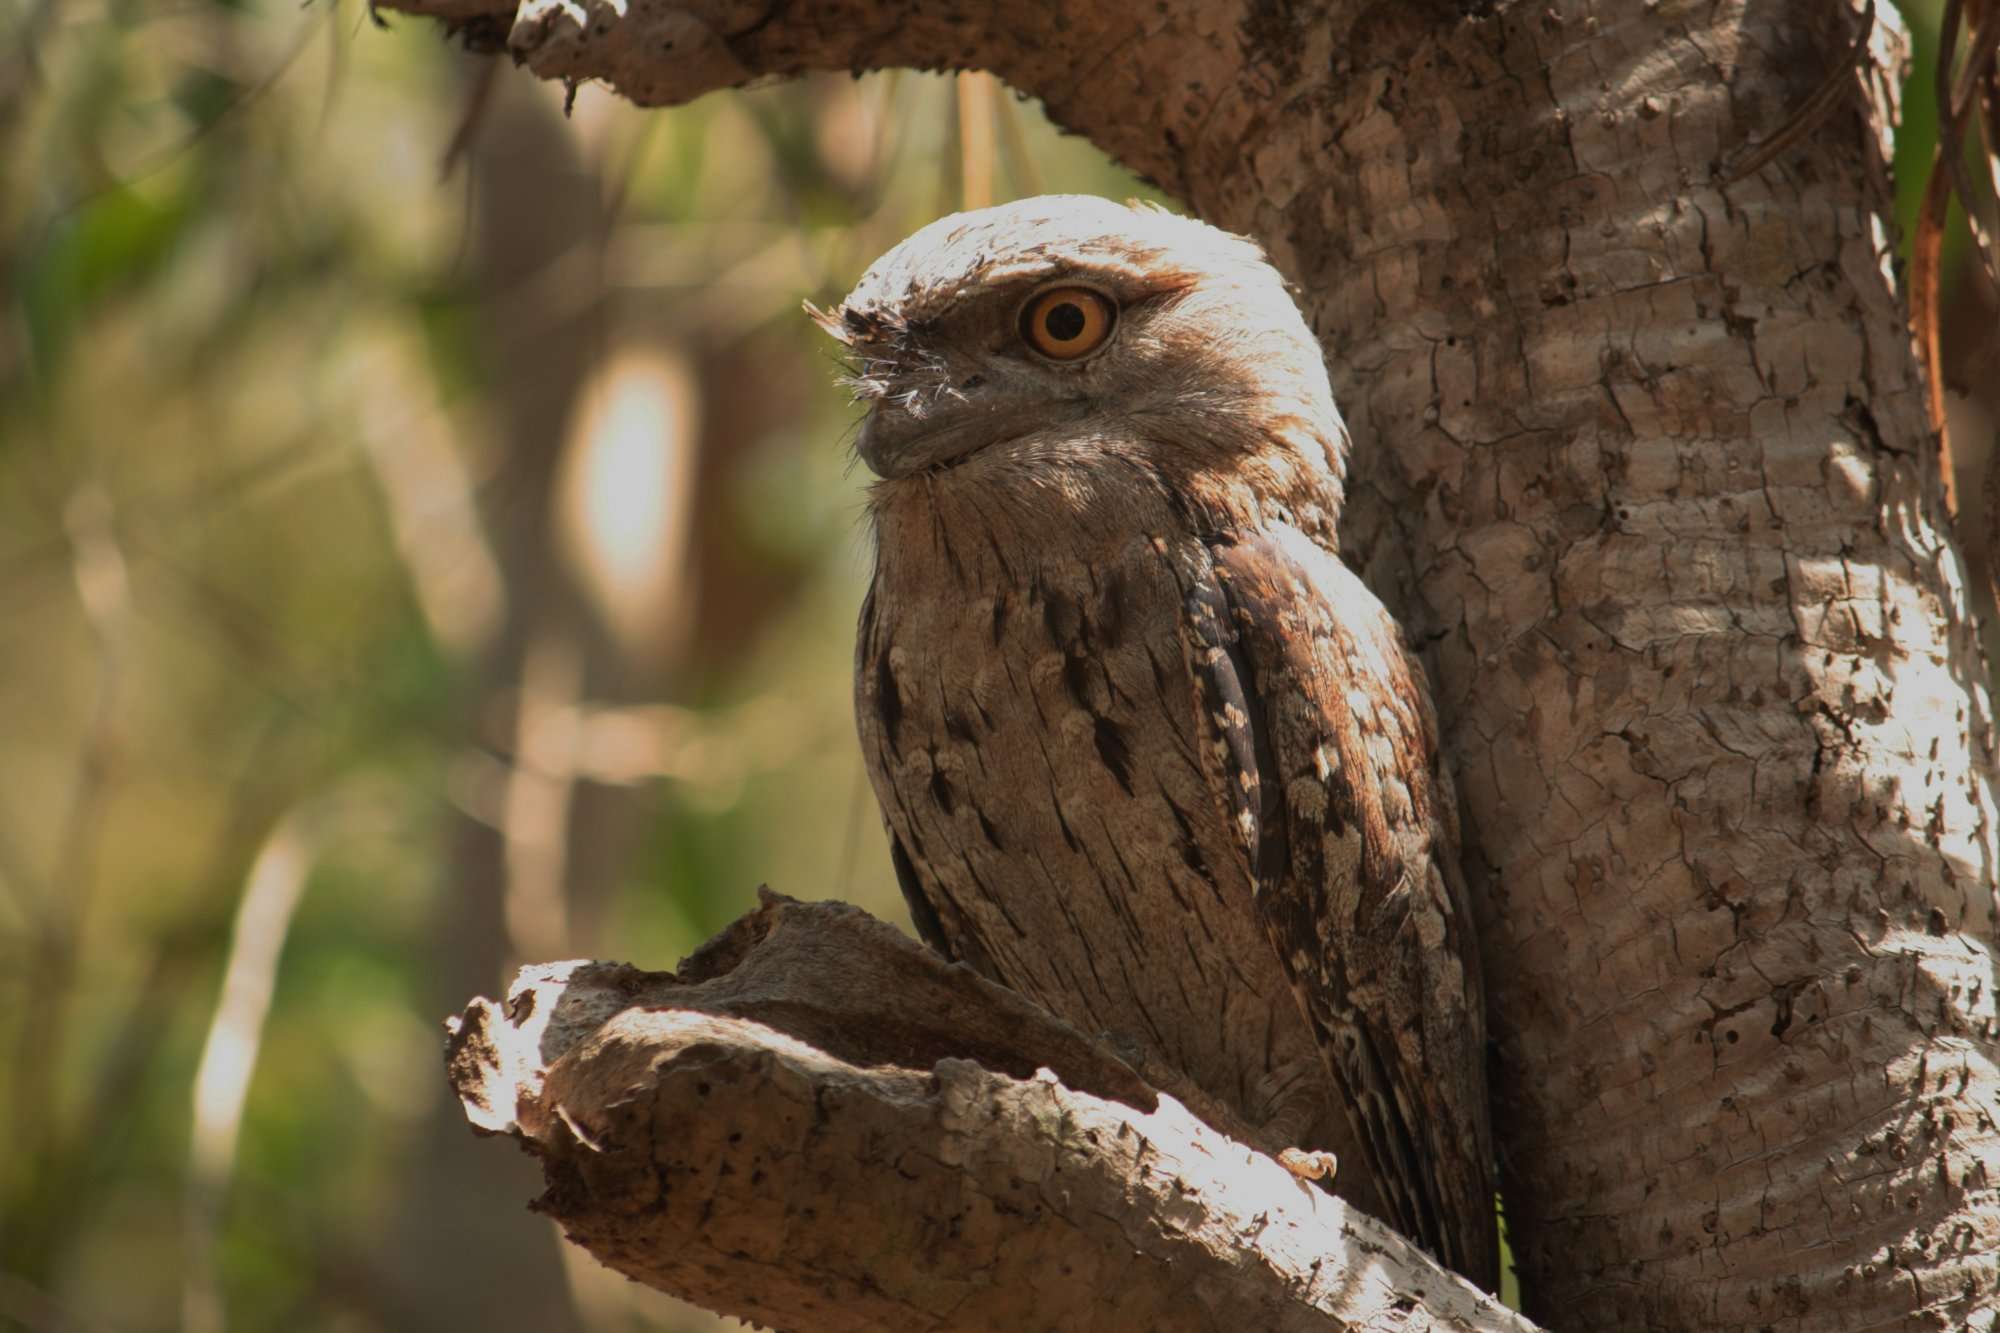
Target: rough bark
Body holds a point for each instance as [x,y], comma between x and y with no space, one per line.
[820,1125]
[1645,460]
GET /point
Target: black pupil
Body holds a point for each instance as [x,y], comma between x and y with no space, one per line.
[1065,322]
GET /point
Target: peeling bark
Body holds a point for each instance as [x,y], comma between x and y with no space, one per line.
[817,1124]
[1645,460]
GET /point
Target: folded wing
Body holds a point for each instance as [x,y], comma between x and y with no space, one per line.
[1323,747]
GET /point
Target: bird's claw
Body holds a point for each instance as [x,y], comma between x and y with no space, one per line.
[1309,1165]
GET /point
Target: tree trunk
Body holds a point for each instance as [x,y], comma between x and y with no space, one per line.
[1643,458]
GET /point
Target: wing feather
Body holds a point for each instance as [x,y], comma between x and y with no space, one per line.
[1322,745]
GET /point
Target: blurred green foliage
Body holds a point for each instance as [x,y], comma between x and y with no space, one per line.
[248,271]
[256,254]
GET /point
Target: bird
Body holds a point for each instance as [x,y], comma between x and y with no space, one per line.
[1147,751]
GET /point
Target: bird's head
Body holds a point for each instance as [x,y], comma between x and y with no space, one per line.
[1068,332]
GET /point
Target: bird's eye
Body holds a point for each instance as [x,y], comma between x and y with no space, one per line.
[1065,323]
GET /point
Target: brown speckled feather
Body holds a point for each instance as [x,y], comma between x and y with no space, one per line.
[1312,704]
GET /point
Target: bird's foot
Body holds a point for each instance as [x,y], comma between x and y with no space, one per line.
[1309,1165]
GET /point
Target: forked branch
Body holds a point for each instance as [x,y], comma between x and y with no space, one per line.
[817,1124]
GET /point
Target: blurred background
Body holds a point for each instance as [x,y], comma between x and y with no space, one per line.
[427,542]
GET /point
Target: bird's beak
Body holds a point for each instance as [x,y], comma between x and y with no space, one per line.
[895,442]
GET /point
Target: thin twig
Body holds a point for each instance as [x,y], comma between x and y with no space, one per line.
[541,788]
[159,160]
[975,139]
[1926,263]
[229,1056]
[1812,112]
[478,97]
[1021,169]
[1956,97]
[105,594]
[1955,101]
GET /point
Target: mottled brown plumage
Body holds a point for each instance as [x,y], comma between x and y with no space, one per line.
[1147,751]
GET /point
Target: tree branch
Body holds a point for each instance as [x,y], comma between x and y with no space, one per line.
[1167,92]
[818,1124]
